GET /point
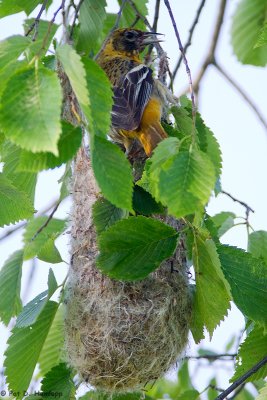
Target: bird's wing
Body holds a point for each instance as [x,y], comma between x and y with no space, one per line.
[131,97]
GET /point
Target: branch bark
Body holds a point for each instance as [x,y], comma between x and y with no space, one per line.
[242,93]
[242,379]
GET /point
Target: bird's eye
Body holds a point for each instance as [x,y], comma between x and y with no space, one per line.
[130,35]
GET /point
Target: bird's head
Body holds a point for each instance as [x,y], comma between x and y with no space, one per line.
[132,40]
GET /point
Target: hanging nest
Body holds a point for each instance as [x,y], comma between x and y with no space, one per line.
[119,336]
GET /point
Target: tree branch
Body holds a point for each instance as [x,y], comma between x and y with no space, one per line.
[209,59]
[47,221]
[189,40]
[35,24]
[242,379]
[241,92]
[213,357]
[184,58]
[247,207]
[61,7]
[155,25]
[77,9]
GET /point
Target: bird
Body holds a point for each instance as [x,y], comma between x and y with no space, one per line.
[137,99]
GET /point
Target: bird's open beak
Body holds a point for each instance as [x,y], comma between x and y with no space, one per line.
[151,37]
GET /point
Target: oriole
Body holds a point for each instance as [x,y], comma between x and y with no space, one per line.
[137,108]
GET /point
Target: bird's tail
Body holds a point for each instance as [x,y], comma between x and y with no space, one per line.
[150,136]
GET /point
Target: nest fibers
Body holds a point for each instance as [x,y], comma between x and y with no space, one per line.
[119,336]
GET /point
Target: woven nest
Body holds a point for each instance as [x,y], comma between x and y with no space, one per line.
[120,336]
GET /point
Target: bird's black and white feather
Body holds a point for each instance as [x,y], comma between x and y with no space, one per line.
[131,97]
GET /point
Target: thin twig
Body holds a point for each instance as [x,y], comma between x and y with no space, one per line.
[189,40]
[247,207]
[119,15]
[47,221]
[214,388]
[155,25]
[242,379]
[210,57]
[77,9]
[61,7]
[225,357]
[184,58]
[35,24]
[156,16]
[241,92]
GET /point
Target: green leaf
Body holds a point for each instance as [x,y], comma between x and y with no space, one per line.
[15,205]
[8,7]
[223,222]
[6,73]
[244,395]
[212,393]
[11,48]
[75,71]
[189,395]
[113,173]
[247,278]
[184,379]
[263,393]
[91,17]
[251,351]
[65,181]
[24,347]
[10,284]
[209,144]
[207,312]
[34,245]
[247,23]
[49,253]
[150,178]
[51,353]
[257,244]
[100,95]
[68,144]
[129,15]
[163,388]
[134,247]
[262,38]
[40,43]
[183,121]
[30,110]
[59,380]
[144,203]
[23,181]
[50,62]
[33,309]
[52,283]
[184,182]
[105,215]
[91,87]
